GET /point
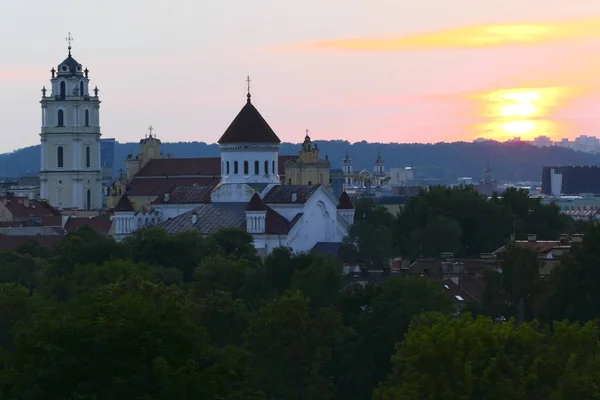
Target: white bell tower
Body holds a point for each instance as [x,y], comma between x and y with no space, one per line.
[70,169]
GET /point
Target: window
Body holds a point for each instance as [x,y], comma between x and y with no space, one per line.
[89,198]
[87,156]
[60,118]
[256,165]
[87,117]
[63,89]
[81,88]
[266,168]
[245,167]
[273,167]
[309,183]
[290,181]
[59,157]
[227,167]
[235,167]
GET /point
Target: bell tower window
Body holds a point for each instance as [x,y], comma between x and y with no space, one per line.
[266,168]
[59,157]
[256,165]
[227,167]
[60,118]
[273,169]
[235,167]
[245,167]
[81,88]
[87,117]
[87,156]
[63,89]
[88,198]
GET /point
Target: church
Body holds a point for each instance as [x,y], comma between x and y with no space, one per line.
[70,170]
[243,188]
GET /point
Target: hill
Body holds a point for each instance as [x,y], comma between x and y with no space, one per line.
[514,161]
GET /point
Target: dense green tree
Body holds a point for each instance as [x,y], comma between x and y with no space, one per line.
[131,340]
[236,243]
[439,235]
[463,358]
[573,288]
[383,323]
[291,346]
[224,317]
[319,281]
[512,292]
[370,240]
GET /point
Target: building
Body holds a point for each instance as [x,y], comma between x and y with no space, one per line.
[308,168]
[348,172]
[379,176]
[337,180]
[70,172]
[107,157]
[401,176]
[569,180]
[248,194]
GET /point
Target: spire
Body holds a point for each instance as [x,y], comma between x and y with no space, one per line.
[248,95]
[69,40]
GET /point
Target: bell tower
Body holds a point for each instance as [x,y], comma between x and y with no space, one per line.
[70,169]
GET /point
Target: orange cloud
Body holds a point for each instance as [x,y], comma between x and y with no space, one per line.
[477,36]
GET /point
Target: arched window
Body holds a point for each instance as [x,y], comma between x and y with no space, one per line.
[87,156]
[235,167]
[245,167]
[63,89]
[256,165]
[290,181]
[81,88]
[89,198]
[266,168]
[227,167]
[60,118]
[273,167]
[59,157]
[87,117]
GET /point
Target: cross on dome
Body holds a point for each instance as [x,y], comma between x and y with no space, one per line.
[69,40]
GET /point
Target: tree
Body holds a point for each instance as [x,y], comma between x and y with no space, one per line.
[382,324]
[519,282]
[369,242]
[132,340]
[439,235]
[572,291]
[468,358]
[320,281]
[291,346]
[222,273]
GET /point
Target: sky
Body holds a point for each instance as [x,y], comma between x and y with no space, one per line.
[375,70]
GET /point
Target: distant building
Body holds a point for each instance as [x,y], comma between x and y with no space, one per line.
[308,168]
[336,179]
[542,141]
[465,180]
[570,180]
[401,176]
[107,157]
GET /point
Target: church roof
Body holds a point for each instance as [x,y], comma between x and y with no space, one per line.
[210,218]
[283,193]
[181,166]
[100,225]
[345,202]
[72,67]
[124,204]
[256,204]
[249,127]
[276,224]
[191,194]
[161,185]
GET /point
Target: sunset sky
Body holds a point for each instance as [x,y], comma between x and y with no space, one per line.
[374,70]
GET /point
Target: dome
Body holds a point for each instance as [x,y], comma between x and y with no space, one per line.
[70,67]
[249,127]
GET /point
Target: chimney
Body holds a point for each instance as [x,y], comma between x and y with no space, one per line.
[26,202]
[294,197]
[531,237]
[578,238]
[564,238]
[166,198]
[513,237]
[194,218]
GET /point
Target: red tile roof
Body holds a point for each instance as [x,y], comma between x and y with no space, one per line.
[541,247]
[22,207]
[256,204]
[276,224]
[209,166]
[124,204]
[99,224]
[159,186]
[249,127]
[193,194]
[345,202]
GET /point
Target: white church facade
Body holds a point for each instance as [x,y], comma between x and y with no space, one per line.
[70,171]
[248,196]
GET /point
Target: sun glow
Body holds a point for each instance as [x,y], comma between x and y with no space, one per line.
[524,112]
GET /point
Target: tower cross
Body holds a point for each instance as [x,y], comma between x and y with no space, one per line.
[150,130]
[248,84]
[69,40]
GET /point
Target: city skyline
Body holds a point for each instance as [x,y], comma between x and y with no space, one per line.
[385,73]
